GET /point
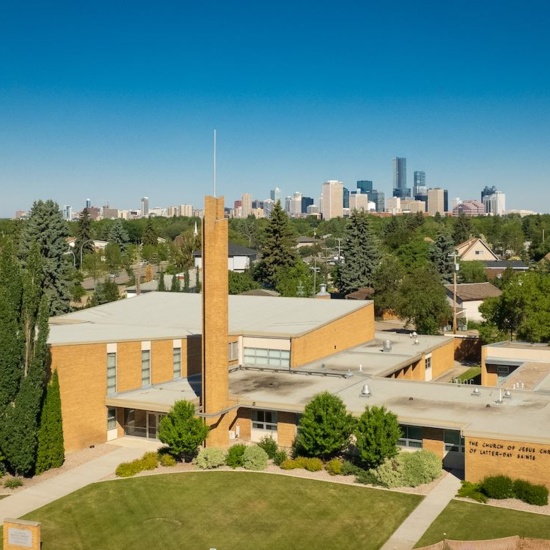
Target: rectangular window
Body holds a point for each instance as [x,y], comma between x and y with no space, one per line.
[428,362]
[411,436]
[264,420]
[176,362]
[111,418]
[267,357]
[145,368]
[233,351]
[453,441]
[111,373]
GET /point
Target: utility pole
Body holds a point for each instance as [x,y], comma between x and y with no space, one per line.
[455,271]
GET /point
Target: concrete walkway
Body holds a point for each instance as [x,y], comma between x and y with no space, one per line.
[412,529]
[39,495]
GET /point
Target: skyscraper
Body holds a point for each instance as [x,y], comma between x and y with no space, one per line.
[345,198]
[419,187]
[246,205]
[400,188]
[364,186]
[275,194]
[332,199]
[144,207]
[436,201]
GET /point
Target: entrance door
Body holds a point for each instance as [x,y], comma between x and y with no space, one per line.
[153,419]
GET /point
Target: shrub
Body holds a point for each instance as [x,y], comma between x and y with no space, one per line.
[350,469]
[128,469]
[254,458]
[390,473]
[420,467]
[289,464]
[313,464]
[149,461]
[13,483]
[471,490]
[334,467]
[210,458]
[366,477]
[529,493]
[269,445]
[497,487]
[280,457]
[235,454]
[167,460]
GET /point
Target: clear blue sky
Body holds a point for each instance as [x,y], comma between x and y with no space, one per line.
[117,100]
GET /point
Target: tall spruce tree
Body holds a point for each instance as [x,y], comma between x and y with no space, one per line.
[47,228]
[83,243]
[176,284]
[361,254]
[51,452]
[119,235]
[441,255]
[149,234]
[277,250]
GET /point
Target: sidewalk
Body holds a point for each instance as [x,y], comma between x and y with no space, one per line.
[39,495]
[412,529]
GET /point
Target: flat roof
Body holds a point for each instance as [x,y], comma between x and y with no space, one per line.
[157,315]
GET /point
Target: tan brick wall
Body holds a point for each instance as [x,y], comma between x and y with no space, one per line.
[467,348]
[519,460]
[128,366]
[443,358]
[219,430]
[25,534]
[191,355]
[341,334]
[286,429]
[433,440]
[82,373]
[162,361]
[244,420]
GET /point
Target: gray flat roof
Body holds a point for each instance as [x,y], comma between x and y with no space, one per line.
[157,315]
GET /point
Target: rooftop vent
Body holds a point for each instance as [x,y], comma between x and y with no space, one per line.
[365,391]
[387,345]
[476,392]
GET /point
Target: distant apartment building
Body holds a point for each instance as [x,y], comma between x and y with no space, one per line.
[268,207]
[295,207]
[469,208]
[246,205]
[185,210]
[359,202]
[144,207]
[495,204]
[436,201]
[393,205]
[332,199]
[413,206]
[109,213]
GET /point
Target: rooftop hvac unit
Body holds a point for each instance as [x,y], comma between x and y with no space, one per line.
[387,345]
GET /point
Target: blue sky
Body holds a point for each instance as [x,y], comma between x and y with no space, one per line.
[117,100]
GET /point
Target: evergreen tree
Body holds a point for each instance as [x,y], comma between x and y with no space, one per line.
[149,234]
[386,282]
[51,452]
[277,250]
[377,432]
[186,280]
[441,255]
[83,243]
[104,293]
[161,286]
[462,229]
[361,254]
[11,354]
[325,427]
[47,228]
[176,284]
[119,235]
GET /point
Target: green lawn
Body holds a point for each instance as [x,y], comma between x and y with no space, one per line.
[472,373]
[223,510]
[471,521]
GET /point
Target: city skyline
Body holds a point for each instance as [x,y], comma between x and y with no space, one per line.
[110,104]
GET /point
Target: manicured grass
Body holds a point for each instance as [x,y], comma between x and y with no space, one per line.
[471,521]
[472,372]
[223,510]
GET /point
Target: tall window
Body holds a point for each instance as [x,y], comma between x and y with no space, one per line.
[145,368]
[176,362]
[111,418]
[233,351]
[111,373]
[428,362]
[453,441]
[264,420]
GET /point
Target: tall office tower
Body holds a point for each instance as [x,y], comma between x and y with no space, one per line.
[345,198]
[379,199]
[364,186]
[275,194]
[246,205]
[359,202]
[296,205]
[268,207]
[419,187]
[495,204]
[400,188]
[68,212]
[487,191]
[333,199]
[306,201]
[257,205]
[88,203]
[288,200]
[144,207]
[436,201]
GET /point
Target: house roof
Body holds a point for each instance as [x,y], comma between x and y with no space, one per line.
[260,292]
[466,246]
[364,293]
[468,292]
[233,250]
[504,264]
